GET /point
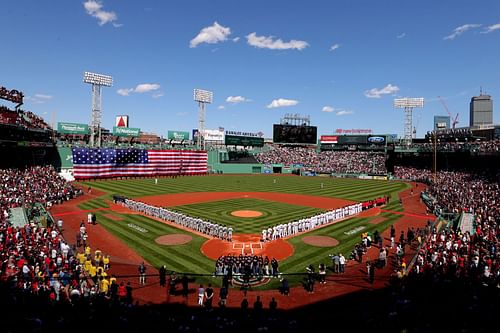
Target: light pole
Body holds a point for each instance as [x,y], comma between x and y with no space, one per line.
[202,97]
[408,104]
[97,81]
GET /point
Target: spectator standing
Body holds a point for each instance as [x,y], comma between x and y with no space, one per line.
[185,286]
[163,276]
[209,296]
[223,297]
[201,295]
[273,305]
[142,273]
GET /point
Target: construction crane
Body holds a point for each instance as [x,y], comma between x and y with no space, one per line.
[454,121]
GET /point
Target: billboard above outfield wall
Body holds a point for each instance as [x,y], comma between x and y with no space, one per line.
[210,135]
[72,128]
[126,131]
[121,121]
[177,135]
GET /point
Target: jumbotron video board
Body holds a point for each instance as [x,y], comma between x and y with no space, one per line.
[294,134]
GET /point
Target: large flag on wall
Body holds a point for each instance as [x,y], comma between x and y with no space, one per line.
[108,162]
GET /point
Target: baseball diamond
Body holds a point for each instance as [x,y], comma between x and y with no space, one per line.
[293,199]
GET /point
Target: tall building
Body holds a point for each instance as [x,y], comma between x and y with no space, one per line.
[481,110]
[441,122]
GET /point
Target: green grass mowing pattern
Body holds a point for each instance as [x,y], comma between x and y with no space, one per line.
[345,188]
[189,258]
[179,258]
[93,204]
[273,213]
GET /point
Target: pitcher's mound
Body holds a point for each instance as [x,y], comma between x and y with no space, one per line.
[246,213]
[173,239]
[320,241]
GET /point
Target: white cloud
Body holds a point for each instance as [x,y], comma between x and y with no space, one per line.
[43,96]
[281,102]
[338,112]
[334,47]
[344,112]
[235,39]
[124,91]
[237,99]
[146,87]
[211,35]
[221,107]
[264,42]
[460,30]
[39,98]
[94,9]
[403,35]
[140,89]
[491,28]
[377,93]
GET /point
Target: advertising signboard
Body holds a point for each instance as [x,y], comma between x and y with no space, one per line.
[177,135]
[234,140]
[121,121]
[125,131]
[72,128]
[328,139]
[378,140]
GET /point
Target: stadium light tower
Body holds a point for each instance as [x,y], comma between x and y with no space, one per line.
[202,97]
[408,104]
[97,81]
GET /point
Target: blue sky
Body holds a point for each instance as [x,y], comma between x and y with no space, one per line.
[341,62]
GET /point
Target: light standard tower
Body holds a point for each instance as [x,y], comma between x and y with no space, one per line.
[408,104]
[202,97]
[97,81]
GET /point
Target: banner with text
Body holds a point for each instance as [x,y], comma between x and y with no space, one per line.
[177,135]
[329,139]
[72,128]
[126,131]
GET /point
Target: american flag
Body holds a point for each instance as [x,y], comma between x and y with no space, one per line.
[108,162]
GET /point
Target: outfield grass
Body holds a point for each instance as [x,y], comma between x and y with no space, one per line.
[351,189]
[188,258]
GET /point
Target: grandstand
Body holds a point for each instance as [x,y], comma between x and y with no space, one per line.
[455,248]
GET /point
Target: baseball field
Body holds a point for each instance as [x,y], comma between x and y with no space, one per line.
[272,199]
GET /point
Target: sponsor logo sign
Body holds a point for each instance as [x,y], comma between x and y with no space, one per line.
[177,135]
[125,131]
[239,133]
[136,227]
[72,128]
[376,139]
[328,139]
[121,121]
[353,131]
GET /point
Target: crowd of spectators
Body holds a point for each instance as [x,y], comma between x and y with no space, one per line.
[451,253]
[325,161]
[491,146]
[25,119]
[38,184]
[451,134]
[459,191]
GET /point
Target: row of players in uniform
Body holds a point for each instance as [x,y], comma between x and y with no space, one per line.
[193,223]
[310,223]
